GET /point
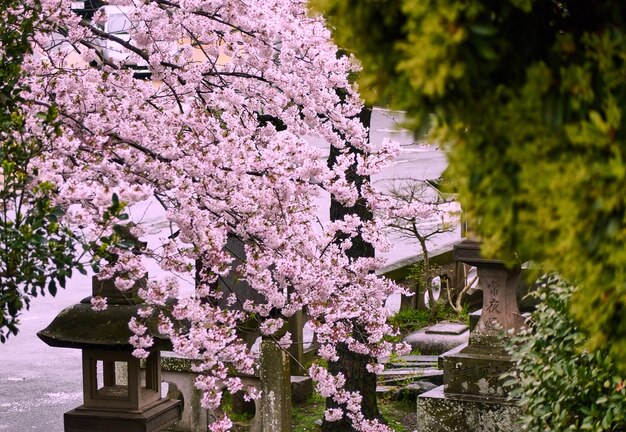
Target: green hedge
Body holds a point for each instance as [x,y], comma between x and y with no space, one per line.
[564,388]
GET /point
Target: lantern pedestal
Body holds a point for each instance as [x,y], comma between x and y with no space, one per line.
[155,418]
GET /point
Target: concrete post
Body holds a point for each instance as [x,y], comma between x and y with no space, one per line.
[276,388]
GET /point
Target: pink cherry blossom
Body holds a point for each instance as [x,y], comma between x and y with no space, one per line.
[220,136]
[98,303]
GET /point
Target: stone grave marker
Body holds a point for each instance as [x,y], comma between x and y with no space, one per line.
[473,397]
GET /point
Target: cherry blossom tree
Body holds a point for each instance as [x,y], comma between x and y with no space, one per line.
[217,136]
[417,211]
[353,365]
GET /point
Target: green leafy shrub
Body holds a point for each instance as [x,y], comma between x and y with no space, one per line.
[410,320]
[561,387]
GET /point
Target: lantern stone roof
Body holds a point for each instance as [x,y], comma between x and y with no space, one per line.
[79,326]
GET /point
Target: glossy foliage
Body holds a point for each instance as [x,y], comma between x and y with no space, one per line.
[36,252]
[561,387]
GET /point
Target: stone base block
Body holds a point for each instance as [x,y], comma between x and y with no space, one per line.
[301,388]
[438,412]
[152,420]
[476,373]
[430,343]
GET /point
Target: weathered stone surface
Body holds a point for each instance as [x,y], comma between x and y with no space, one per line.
[453,351]
[476,374]
[301,388]
[276,388]
[400,376]
[418,387]
[385,389]
[500,312]
[439,412]
[435,344]
[153,419]
[177,372]
[447,328]
[181,386]
[419,358]
[78,326]
[405,391]
[478,368]
[474,398]
[417,361]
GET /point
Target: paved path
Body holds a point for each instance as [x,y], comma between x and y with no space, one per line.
[39,383]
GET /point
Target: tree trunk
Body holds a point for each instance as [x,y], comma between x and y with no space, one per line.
[353,365]
[427,278]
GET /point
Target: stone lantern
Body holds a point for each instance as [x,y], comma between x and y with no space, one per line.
[117,396]
[477,369]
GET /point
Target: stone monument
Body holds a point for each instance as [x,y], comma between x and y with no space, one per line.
[116,395]
[473,397]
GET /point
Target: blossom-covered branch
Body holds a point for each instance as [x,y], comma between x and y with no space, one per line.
[217,133]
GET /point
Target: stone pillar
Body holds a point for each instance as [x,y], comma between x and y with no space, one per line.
[500,311]
[473,398]
[276,387]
